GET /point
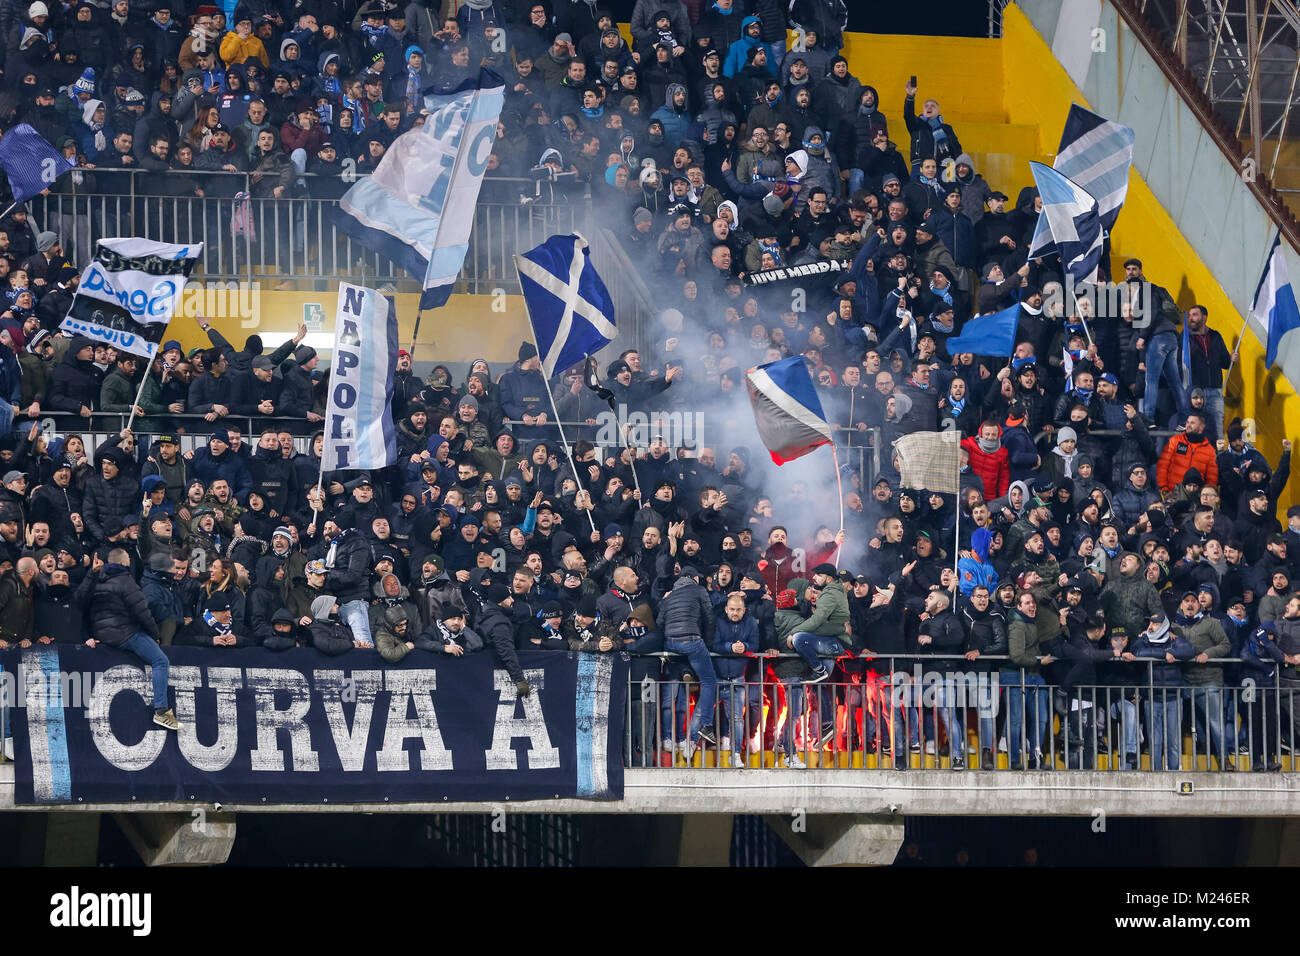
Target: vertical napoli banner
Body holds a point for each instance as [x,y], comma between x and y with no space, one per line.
[359,432]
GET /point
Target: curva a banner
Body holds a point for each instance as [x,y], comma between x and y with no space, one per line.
[259,727]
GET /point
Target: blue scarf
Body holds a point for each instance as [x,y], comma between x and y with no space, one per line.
[1084,393]
[373,34]
[958,406]
[774,249]
[330,85]
[946,294]
[936,128]
[596,113]
[358,114]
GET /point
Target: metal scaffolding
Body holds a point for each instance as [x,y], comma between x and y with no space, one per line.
[1245,56]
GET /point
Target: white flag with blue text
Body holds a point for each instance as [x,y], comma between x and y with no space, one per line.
[570,308]
[417,208]
[359,432]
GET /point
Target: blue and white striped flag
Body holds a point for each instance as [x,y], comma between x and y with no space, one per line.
[1275,306]
[1096,153]
[570,308]
[1074,222]
[30,163]
[417,208]
[359,432]
[787,411]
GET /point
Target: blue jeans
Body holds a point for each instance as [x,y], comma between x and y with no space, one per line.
[794,694]
[906,713]
[356,615]
[856,178]
[1214,406]
[702,666]
[1207,705]
[1036,694]
[1162,360]
[146,648]
[1166,728]
[739,699]
[953,704]
[1125,711]
[777,51]
[812,647]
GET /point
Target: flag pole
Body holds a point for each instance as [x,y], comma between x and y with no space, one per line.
[140,391]
[546,382]
[1236,347]
[546,387]
[839,488]
[451,180]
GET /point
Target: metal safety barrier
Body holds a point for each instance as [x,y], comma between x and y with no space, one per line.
[940,712]
[255,238]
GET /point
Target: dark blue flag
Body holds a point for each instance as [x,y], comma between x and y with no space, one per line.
[30,162]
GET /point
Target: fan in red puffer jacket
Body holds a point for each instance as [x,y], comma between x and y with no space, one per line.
[989,460]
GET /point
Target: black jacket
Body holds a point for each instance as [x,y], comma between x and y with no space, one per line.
[498,632]
[687,612]
[118,608]
[73,383]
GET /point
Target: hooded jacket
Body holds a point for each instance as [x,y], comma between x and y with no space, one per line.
[739,51]
[73,383]
[978,570]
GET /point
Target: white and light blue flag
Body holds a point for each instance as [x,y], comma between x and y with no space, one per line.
[570,308]
[1096,153]
[359,432]
[787,411]
[129,291]
[417,208]
[1073,221]
[1275,307]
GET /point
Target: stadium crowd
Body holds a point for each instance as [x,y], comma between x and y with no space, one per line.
[1113,530]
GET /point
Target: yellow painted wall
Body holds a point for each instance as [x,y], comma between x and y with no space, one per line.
[1036,86]
[467,327]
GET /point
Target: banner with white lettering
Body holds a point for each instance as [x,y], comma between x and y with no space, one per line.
[129,291]
[824,270]
[359,430]
[259,727]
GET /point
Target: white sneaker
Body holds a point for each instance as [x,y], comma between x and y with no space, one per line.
[1002,745]
[791,762]
[738,761]
[929,747]
[725,744]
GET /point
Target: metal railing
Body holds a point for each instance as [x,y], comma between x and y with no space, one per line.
[995,17]
[253,238]
[925,716]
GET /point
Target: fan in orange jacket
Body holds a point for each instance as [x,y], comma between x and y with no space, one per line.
[1192,449]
